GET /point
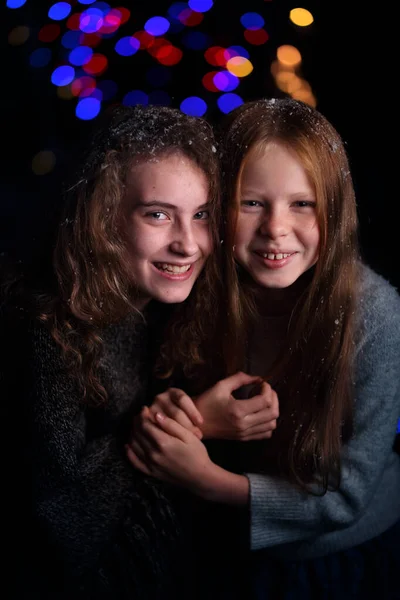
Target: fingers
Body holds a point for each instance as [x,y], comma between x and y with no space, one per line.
[136,461]
[177,405]
[237,380]
[267,400]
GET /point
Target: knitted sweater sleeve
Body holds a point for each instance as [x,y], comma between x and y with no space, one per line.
[102,525]
[280,513]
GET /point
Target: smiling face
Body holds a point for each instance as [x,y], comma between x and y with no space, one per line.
[166,226]
[277,235]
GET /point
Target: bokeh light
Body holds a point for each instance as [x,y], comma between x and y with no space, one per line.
[91,20]
[226,81]
[252,20]
[40,57]
[200,5]
[88,108]
[43,162]
[288,55]
[108,88]
[15,3]
[196,40]
[83,86]
[157,26]
[49,32]
[135,97]
[194,106]
[97,64]
[301,17]
[59,11]
[18,35]
[239,66]
[63,75]
[80,55]
[227,102]
[127,46]
[256,37]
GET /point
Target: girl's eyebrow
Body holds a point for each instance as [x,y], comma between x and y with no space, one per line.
[161,204]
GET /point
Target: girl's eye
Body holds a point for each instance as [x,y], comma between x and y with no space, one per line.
[157,216]
[201,215]
[251,203]
[305,204]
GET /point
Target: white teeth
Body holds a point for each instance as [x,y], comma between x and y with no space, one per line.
[275,256]
[172,268]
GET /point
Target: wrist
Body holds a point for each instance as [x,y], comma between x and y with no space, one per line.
[219,485]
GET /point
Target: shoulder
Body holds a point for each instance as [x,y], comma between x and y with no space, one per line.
[378,302]
[377,334]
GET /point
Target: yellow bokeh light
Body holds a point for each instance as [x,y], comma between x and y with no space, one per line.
[43,162]
[288,55]
[305,96]
[239,66]
[18,35]
[301,17]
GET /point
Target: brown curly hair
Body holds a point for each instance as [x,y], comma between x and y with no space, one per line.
[94,288]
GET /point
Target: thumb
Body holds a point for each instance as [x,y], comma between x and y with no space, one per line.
[236,381]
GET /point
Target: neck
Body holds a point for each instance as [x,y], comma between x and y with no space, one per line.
[278,302]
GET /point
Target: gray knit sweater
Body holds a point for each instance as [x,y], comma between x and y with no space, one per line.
[98,528]
[292,524]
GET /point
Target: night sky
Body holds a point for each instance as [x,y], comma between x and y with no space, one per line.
[344,60]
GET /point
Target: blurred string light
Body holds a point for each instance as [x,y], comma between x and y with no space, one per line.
[286,71]
[82,25]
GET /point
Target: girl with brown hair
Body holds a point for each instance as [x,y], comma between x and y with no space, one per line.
[139,233]
[322,493]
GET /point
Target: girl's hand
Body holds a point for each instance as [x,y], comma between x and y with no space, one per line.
[177,405]
[165,449]
[225,417]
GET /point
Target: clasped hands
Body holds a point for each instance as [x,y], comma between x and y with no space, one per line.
[166,437]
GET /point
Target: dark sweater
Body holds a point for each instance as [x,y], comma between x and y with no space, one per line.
[89,525]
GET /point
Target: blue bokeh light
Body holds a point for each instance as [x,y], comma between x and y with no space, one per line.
[173,15]
[252,20]
[226,81]
[40,57]
[194,106]
[80,55]
[196,40]
[88,108]
[227,102]
[86,1]
[239,51]
[157,25]
[160,98]
[63,75]
[59,11]
[91,20]
[127,46]
[135,97]
[71,39]
[200,5]
[15,3]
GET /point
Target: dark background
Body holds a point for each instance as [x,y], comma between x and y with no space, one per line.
[346,60]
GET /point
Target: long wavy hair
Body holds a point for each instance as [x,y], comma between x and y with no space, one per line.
[313,375]
[93,284]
